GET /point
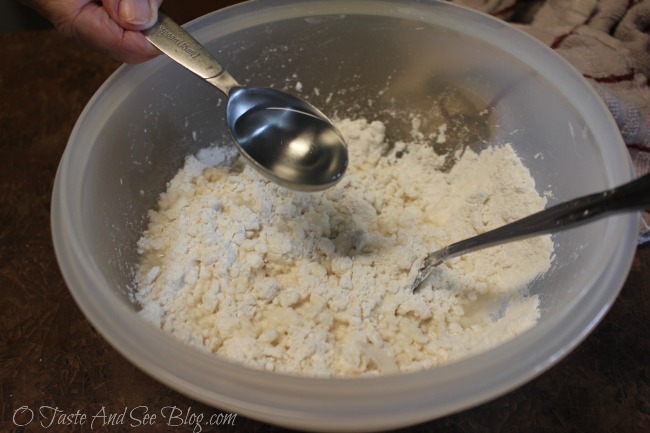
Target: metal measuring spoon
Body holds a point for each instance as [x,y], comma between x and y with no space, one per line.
[631,196]
[288,140]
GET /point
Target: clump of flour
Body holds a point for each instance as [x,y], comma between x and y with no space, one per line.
[315,283]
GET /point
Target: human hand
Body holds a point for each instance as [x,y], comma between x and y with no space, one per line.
[110,26]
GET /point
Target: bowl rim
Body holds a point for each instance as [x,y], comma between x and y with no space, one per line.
[343,404]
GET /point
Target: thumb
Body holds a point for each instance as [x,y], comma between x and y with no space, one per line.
[137,14]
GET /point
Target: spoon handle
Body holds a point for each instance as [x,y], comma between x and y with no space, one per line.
[631,196]
[173,40]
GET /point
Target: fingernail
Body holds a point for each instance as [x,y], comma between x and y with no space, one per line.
[136,12]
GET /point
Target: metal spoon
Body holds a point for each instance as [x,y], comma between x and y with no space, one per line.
[632,196]
[285,138]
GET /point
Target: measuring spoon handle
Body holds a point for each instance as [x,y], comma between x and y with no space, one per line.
[173,40]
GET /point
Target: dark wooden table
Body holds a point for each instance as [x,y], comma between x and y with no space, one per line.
[51,357]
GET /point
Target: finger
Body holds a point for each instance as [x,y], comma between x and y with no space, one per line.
[96,28]
[133,14]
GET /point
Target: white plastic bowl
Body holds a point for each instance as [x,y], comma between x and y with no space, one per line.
[134,133]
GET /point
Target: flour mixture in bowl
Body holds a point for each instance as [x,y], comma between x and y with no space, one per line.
[317,283]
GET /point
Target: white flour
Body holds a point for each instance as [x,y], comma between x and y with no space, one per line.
[315,283]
